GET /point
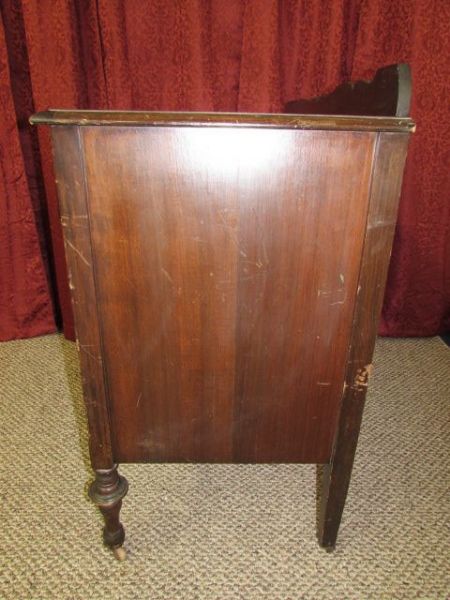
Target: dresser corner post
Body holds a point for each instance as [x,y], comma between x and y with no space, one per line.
[107,491]
[337,474]
[383,198]
[109,488]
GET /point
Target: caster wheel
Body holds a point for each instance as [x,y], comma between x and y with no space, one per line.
[120,553]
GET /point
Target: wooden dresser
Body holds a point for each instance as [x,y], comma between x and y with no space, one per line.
[227,275]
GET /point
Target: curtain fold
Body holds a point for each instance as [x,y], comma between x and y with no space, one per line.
[25,304]
[228,55]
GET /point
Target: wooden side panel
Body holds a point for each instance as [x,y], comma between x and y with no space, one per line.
[167,265]
[386,186]
[71,184]
[301,231]
[227,263]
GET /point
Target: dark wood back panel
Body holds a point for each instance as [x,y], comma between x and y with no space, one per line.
[227,263]
[388,94]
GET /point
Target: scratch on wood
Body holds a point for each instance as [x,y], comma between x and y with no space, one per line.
[253,276]
[84,348]
[324,383]
[257,263]
[86,262]
[339,291]
[376,224]
[73,221]
[139,399]
[232,232]
[167,275]
[362,376]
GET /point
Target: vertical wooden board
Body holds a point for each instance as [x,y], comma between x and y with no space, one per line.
[385,193]
[74,213]
[166,247]
[302,226]
[227,264]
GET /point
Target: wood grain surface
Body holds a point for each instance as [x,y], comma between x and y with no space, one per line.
[226,264]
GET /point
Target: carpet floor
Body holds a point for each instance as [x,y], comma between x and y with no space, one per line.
[228,531]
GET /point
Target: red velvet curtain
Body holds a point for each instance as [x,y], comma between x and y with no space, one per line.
[25,305]
[221,55]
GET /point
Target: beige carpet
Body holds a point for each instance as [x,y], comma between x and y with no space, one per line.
[225,532]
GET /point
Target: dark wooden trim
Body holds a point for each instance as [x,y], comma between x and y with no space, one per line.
[198,119]
[383,202]
[387,95]
[70,179]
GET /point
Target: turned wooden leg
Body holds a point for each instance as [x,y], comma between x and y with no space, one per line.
[107,491]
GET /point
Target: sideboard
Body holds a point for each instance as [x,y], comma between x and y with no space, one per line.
[227,275]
